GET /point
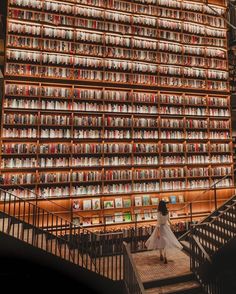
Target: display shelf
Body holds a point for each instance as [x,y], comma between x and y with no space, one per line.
[116,98]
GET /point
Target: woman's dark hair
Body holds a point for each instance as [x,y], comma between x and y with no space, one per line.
[162,208]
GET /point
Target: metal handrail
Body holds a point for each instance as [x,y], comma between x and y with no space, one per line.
[205,240]
[216,217]
[213,186]
[201,248]
[30,223]
[59,217]
[189,204]
[51,201]
[131,276]
[203,222]
[32,203]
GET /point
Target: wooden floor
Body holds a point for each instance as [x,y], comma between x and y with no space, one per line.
[151,268]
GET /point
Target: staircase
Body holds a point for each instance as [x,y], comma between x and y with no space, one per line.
[206,238]
[103,253]
[213,224]
[33,225]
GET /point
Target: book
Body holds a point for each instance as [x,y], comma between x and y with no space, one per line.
[118,217]
[138,201]
[173,199]
[147,214]
[76,205]
[173,214]
[118,203]
[95,220]
[154,200]
[146,200]
[108,219]
[181,198]
[76,221]
[96,203]
[87,204]
[108,204]
[127,216]
[137,215]
[86,221]
[127,203]
[154,213]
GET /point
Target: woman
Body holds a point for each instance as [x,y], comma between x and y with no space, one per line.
[162,237]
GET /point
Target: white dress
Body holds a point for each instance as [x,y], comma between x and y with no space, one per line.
[167,238]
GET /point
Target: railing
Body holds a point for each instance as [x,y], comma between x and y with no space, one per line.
[132,280]
[190,204]
[208,237]
[217,232]
[198,260]
[101,253]
[136,240]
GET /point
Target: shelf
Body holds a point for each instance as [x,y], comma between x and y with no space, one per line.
[156,63]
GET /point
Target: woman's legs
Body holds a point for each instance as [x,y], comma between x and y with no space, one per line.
[165,253]
[161,255]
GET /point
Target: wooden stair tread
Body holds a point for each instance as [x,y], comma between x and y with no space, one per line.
[185,243]
[167,289]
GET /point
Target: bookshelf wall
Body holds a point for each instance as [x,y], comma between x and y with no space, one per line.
[112,105]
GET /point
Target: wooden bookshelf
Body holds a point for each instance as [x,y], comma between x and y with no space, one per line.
[127,98]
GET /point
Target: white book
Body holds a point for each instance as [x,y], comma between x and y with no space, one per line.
[118,217]
[118,202]
[96,203]
[87,204]
[138,201]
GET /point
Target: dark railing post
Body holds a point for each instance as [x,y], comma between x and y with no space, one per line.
[35,219]
[71,212]
[135,234]
[191,212]
[104,224]
[215,197]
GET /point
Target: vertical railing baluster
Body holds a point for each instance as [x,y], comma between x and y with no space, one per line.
[19,217]
[52,226]
[42,227]
[73,247]
[99,258]
[62,242]
[103,256]
[4,210]
[9,213]
[56,240]
[77,245]
[33,216]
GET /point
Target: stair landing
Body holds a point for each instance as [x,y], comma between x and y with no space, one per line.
[151,268]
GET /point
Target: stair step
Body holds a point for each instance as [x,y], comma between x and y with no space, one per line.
[186,246]
[168,281]
[216,230]
[210,240]
[225,225]
[189,287]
